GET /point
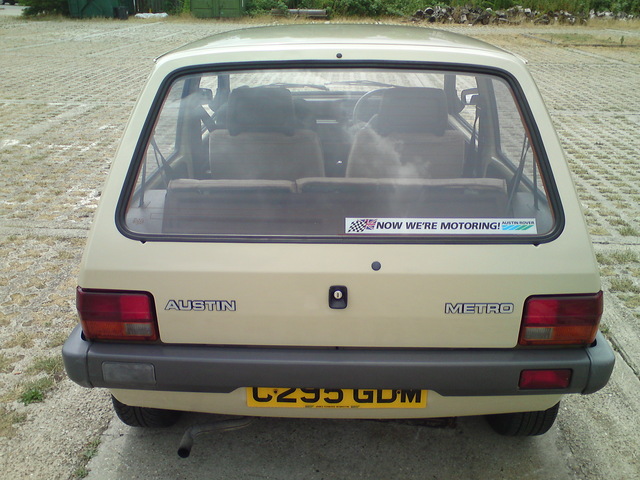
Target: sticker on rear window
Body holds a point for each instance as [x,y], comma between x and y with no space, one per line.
[441,226]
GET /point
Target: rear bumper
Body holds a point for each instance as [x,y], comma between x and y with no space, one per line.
[215,369]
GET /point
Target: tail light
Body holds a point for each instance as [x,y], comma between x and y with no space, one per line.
[117,315]
[561,319]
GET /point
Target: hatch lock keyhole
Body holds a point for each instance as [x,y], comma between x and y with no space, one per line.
[338,297]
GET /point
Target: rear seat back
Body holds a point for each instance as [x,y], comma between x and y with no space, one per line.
[319,206]
[429,198]
[408,138]
[226,206]
[262,140]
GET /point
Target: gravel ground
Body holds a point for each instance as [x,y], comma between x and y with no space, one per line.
[67,90]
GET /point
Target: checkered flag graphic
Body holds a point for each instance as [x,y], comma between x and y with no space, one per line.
[359,226]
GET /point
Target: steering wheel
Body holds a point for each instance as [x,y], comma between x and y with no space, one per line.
[366,107]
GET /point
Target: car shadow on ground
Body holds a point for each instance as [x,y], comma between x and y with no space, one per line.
[329,449]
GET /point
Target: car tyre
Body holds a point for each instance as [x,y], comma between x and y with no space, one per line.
[144,417]
[524,424]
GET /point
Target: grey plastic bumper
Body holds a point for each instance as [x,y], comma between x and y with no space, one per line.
[450,372]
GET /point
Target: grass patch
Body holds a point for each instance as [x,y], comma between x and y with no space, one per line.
[66,255]
[628,231]
[591,40]
[631,301]
[624,285]
[625,256]
[81,472]
[57,339]
[91,449]
[36,390]
[52,366]
[618,222]
[20,339]
[607,271]
[8,422]
[6,363]
[618,257]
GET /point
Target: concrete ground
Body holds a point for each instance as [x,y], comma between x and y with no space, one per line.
[11,10]
[67,90]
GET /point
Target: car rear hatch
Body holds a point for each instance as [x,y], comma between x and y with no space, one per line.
[303,209]
[405,296]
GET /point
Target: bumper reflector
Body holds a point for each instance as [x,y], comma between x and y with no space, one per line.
[544,379]
[129,374]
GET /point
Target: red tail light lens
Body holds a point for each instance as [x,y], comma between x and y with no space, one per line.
[561,319]
[116,315]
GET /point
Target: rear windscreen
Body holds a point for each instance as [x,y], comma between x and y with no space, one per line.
[340,154]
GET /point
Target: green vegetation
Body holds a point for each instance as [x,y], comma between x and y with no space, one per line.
[35,390]
[375,8]
[624,285]
[8,421]
[6,363]
[627,231]
[50,365]
[379,8]
[57,339]
[621,268]
[81,472]
[90,451]
[50,7]
[46,373]
[618,257]
[20,339]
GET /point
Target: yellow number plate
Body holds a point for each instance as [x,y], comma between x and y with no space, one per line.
[335,398]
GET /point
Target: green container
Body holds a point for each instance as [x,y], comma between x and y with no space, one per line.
[128,4]
[217,8]
[99,8]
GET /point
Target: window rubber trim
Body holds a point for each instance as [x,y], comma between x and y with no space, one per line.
[545,169]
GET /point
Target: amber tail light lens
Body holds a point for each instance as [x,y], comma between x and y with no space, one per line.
[117,315]
[561,319]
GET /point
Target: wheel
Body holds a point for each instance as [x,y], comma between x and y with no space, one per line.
[524,424]
[144,417]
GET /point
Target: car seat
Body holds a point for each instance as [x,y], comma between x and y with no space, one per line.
[409,137]
[263,139]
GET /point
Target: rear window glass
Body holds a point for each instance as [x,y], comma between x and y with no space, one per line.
[347,155]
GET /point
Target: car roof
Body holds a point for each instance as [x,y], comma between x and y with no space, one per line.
[315,35]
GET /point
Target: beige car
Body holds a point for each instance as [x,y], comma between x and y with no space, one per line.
[339,221]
